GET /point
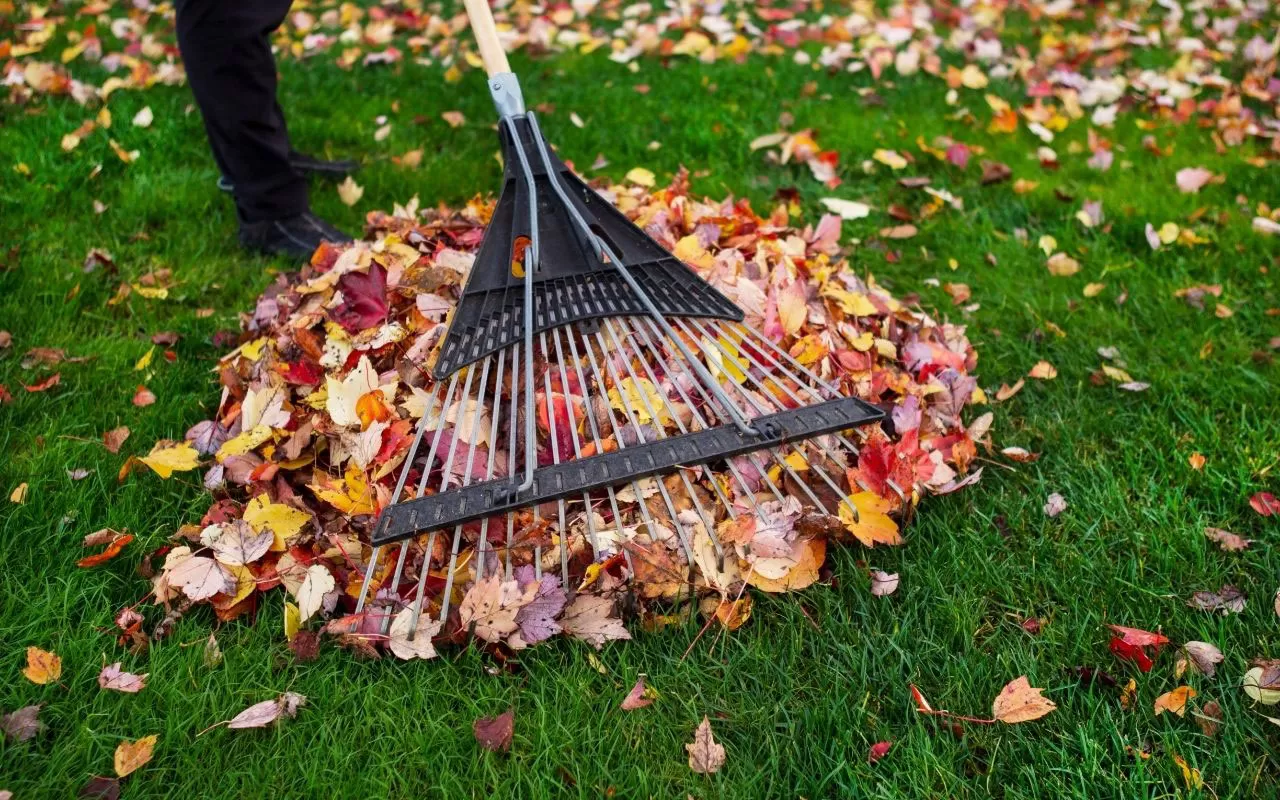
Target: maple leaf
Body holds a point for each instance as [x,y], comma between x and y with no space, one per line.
[1020,702]
[129,756]
[591,619]
[349,191]
[115,438]
[536,617]
[112,677]
[878,751]
[494,733]
[168,457]
[201,578]
[364,299]
[706,755]
[235,544]
[42,666]
[491,606]
[872,525]
[317,583]
[420,646]
[282,521]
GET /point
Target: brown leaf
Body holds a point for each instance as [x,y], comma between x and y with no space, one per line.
[1020,702]
[23,724]
[42,666]
[1209,718]
[114,438]
[706,755]
[1203,656]
[260,715]
[591,618]
[101,788]
[132,755]
[494,733]
[1174,701]
[995,172]
[1227,540]
[46,384]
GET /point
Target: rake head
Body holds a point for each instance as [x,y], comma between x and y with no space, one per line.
[592,389]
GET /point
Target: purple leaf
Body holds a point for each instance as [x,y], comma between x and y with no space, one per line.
[364,299]
[537,618]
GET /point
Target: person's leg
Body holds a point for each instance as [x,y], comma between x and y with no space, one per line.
[227,53]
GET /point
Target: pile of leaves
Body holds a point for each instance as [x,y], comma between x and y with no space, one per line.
[322,395]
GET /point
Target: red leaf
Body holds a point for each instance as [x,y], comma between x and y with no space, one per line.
[1131,652]
[303,373]
[1265,503]
[364,299]
[494,733]
[1139,637]
[878,751]
[143,397]
[56,378]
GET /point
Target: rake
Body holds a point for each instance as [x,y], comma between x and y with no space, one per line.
[587,383]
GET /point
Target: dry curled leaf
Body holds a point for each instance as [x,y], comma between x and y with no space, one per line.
[706,755]
[640,696]
[115,679]
[260,715]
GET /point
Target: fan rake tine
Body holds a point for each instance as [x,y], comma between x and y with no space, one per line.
[555,455]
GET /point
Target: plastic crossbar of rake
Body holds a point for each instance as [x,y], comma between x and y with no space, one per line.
[572,478]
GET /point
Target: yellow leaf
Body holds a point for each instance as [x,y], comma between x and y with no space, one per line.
[42,666]
[145,361]
[855,304]
[805,572]
[253,350]
[168,457]
[151,292]
[1169,233]
[1048,244]
[809,349]
[243,443]
[792,311]
[1116,374]
[725,359]
[639,391]
[245,584]
[1093,289]
[890,159]
[873,524]
[1189,775]
[641,177]
[131,755]
[1062,265]
[282,520]
[351,495]
[19,494]
[292,620]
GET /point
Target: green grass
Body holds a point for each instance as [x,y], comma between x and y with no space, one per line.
[799,694]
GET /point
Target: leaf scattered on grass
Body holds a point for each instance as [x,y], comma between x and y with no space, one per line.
[494,733]
[43,667]
[706,755]
[129,756]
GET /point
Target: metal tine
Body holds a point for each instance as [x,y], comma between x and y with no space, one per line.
[466,480]
[752,457]
[598,440]
[555,454]
[494,416]
[511,462]
[768,345]
[631,417]
[817,469]
[697,415]
[444,483]
[819,442]
[435,443]
[577,447]
[395,497]
[708,521]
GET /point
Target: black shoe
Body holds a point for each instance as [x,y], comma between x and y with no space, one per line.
[307,165]
[296,237]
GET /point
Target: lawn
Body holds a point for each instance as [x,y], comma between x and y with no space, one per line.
[800,693]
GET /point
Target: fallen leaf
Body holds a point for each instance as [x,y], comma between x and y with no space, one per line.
[641,177]
[1189,776]
[883,583]
[640,696]
[1020,702]
[1062,265]
[115,438]
[99,787]
[43,667]
[350,192]
[1174,701]
[706,755]
[591,619]
[420,645]
[1191,179]
[1262,685]
[878,751]
[260,715]
[1055,505]
[19,494]
[1196,461]
[201,578]
[1044,371]
[168,457]
[454,118]
[143,397]
[1265,504]
[44,385]
[1209,718]
[23,724]
[1203,656]
[130,756]
[872,525]
[846,209]
[143,118]
[494,733]
[113,678]
[317,583]
[114,546]
[1227,540]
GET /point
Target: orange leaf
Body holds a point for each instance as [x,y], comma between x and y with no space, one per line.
[804,573]
[1175,701]
[1020,702]
[131,755]
[873,525]
[42,666]
[113,550]
[372,407]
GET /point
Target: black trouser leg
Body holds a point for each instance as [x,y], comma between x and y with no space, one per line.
[227,53]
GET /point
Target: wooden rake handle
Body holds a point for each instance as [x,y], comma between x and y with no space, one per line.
[486,33]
